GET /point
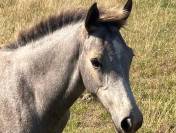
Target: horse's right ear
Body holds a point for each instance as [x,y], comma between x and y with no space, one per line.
[92,18]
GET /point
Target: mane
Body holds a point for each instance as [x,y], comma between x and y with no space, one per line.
[47,26]
[56,22]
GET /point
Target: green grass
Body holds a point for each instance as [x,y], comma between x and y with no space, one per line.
[150,32]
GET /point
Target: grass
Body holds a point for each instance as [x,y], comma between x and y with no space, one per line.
[150,32]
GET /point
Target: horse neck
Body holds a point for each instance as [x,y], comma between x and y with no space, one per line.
[50,66]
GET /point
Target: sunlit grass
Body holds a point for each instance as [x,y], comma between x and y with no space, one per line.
[150,32]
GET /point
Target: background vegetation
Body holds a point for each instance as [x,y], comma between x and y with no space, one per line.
[151,32]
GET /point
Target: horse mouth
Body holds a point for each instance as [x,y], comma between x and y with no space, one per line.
[117,130]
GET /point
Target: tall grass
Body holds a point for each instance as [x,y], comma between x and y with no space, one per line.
[150,32]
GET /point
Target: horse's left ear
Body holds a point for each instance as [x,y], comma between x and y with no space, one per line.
[119,19]
[92,18]
[127,8]
[126,13]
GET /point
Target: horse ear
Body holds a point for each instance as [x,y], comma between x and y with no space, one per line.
[127,8]
[125,14]
[92,18]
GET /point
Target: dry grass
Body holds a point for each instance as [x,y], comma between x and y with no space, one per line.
[151,33]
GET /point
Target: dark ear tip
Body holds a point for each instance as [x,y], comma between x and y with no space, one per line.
[92,17]
[128,5]
[94,6]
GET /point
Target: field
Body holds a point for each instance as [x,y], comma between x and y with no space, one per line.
[151,32]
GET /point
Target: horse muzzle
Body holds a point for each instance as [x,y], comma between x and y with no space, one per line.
[129,124]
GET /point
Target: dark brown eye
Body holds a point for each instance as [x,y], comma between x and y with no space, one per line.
[96,63]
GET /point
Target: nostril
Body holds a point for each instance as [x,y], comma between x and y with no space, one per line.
[126,124]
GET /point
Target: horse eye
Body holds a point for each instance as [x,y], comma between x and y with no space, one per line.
[96,63]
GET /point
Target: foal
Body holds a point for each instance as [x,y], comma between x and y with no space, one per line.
[48,67]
